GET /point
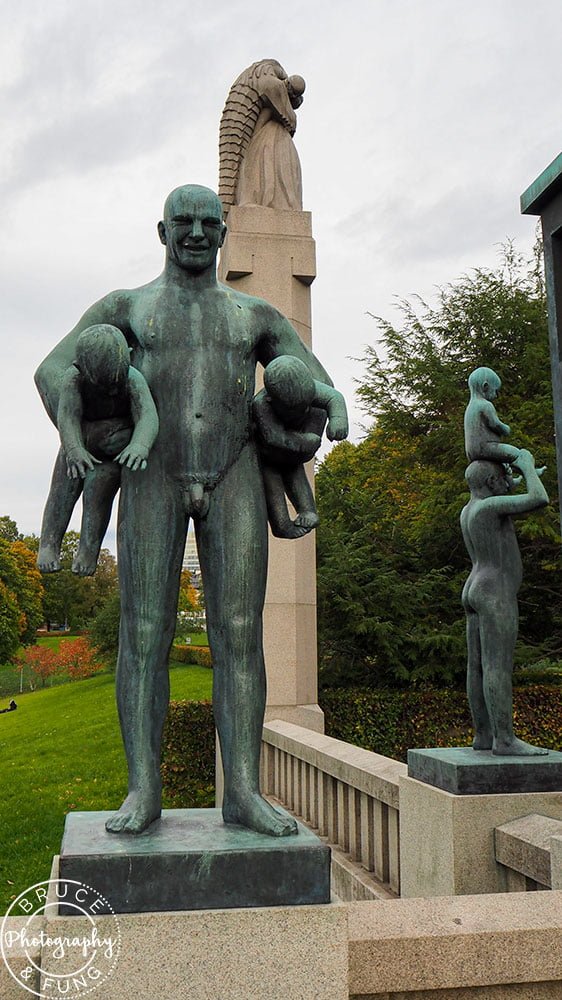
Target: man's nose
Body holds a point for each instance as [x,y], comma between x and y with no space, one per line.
[197,230]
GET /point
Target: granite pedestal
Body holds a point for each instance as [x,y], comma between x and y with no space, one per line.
[464,771]
[191,860]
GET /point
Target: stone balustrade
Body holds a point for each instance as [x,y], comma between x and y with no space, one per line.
[349,795]
[529,850]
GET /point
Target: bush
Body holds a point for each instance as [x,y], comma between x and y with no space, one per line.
[188,755]
[78,659]
[199,655]
[392,722]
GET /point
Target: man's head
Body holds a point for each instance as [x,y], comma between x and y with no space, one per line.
[192,229]
[488,479]
[484,382]
[289,384]
[103,356]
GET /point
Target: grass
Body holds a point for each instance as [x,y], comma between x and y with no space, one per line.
[61,751]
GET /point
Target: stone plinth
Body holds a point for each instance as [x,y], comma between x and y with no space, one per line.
[270,253]
[447,841]
[464,771]
[191,860]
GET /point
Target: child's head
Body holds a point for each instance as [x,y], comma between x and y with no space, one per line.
[103,356]
[289,384]
[484,382]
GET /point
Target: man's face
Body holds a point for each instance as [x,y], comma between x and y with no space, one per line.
[193,229]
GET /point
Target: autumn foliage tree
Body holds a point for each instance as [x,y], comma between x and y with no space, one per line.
[21,593]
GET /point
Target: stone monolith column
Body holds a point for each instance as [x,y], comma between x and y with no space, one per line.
[270,253]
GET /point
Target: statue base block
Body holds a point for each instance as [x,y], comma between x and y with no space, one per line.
[464,771]
[190,860]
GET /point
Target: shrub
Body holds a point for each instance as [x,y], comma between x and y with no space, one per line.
[188,755]
[199,655]
[78,659]
[391,722]
[41,662]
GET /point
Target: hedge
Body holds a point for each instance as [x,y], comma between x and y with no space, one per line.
[387,722]
[188,755]
[391,722]
[201,655]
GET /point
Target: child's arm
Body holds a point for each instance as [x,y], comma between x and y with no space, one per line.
[69,421]
[145,419]
[333,402]
[274,433]
[492,420]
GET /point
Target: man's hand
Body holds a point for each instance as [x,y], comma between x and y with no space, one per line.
[79,462]
[337,428]
[134,456]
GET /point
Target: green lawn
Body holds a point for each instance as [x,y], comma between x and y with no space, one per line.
[61,750]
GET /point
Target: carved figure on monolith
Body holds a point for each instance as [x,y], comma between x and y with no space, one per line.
[290,415]
[105,416]
[259,164]
[197,343]
[489,596]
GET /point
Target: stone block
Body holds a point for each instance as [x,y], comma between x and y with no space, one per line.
[464,771]
[447,841]
[191,860]
[441,946]
[524,846]
[556,862]
[237,954]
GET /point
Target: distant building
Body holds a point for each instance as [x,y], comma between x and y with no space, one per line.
[191,560]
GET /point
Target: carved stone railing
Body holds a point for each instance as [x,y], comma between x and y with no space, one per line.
[349,795]
[530,853]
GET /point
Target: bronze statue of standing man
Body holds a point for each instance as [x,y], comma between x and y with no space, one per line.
[197,344]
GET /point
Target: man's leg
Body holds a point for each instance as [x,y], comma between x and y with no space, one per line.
[232,542]
[498,634]
[63,495]
[483,735]
[100,486]
[151,540]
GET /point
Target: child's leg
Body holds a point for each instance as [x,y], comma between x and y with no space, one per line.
[495,451]
[100,487]
[277,510]
[63,494]
[301,496]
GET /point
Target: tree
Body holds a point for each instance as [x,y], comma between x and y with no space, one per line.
[9,529]
[20,597]
[391,559]
[74,600]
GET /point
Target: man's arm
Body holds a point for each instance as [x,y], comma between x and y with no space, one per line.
[333,402]
[535,498]
[279,337]
[114,309]
[145,418]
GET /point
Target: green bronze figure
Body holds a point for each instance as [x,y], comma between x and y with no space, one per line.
[105,415]
[489,596]
[197,344]
[290,414]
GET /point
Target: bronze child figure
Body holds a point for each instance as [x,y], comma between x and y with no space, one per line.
[290,414]
[102,399]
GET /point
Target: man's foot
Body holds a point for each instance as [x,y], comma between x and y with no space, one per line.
[482,741]
[516,748]
[256,814]
[48,559]
[136,814]
[84,563]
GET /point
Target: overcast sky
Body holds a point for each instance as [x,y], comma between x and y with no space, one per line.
[423,122]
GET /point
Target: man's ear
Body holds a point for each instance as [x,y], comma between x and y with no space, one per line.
[223,235]
[162,232]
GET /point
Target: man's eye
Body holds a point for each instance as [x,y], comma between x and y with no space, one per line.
[212,223]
